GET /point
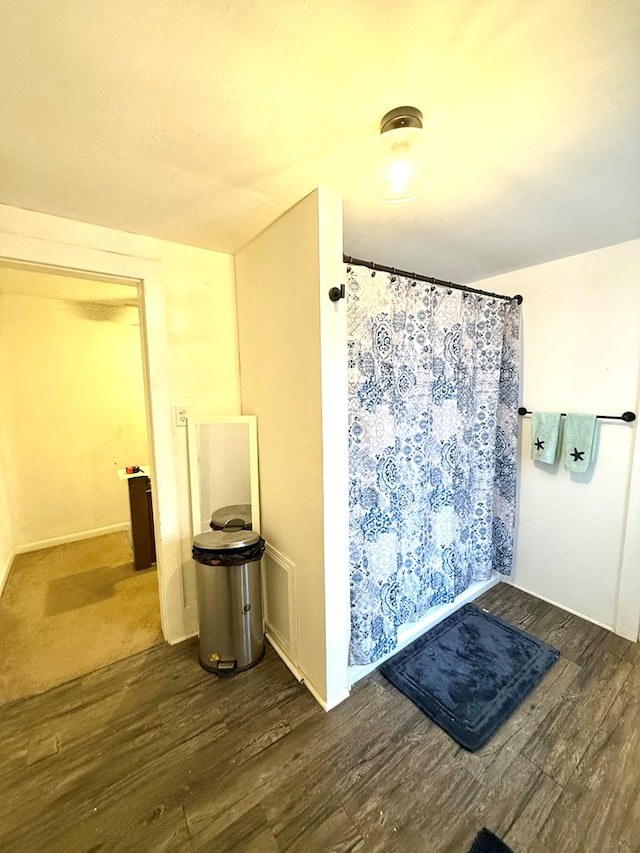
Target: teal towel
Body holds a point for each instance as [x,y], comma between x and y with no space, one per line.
[545,429]
[579,436]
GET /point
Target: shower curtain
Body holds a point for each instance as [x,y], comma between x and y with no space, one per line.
[433,395]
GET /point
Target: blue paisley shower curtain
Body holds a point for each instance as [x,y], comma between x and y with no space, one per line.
[433,395]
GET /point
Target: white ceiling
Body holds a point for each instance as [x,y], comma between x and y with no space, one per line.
[201,121]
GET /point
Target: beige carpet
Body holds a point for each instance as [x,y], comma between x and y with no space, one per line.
[68,610]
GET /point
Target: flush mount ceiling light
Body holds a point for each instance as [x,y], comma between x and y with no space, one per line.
[397,168]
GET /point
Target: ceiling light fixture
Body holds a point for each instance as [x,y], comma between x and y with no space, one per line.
[397,169]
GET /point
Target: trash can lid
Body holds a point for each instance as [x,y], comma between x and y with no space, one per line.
[235,515]
[223,540]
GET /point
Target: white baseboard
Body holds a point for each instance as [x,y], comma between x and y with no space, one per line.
[182,639]
[4,572]
[299,676]
[564,607]
[71,537]
[334,701]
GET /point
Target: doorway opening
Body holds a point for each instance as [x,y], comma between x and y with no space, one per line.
[74,414]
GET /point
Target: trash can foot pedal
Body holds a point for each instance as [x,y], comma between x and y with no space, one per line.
[225,668]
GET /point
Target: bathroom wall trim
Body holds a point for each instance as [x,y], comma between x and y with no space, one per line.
[297,674]
[71,537]
[562,606]
[4,572]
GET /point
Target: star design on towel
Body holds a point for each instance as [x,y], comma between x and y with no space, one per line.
[539,444]
[578,455]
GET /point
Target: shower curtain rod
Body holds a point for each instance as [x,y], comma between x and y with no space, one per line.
[372,265]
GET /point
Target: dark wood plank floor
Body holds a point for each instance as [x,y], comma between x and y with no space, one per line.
[153,754]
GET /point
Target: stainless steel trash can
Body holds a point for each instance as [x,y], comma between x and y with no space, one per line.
[229,600]
[233,517]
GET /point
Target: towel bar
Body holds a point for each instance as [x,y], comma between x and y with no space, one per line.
[625,416]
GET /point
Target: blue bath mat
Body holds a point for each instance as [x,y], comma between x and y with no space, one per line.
[486,842]
[470,673]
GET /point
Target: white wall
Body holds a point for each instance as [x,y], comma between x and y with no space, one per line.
[72,413]
[7,548]
[577,543]
[199,290]
[291,337]
[189,330]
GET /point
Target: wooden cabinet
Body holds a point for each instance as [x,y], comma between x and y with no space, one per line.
[142,535]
